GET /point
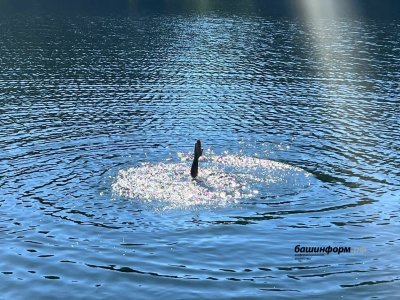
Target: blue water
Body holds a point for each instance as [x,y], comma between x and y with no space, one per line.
[83,97]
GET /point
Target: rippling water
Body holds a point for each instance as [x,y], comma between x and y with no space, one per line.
[82,98]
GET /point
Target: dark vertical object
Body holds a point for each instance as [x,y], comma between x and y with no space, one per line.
[197,153]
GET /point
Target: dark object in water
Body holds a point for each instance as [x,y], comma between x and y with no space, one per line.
[194,171]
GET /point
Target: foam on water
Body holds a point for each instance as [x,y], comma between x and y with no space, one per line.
[222,180]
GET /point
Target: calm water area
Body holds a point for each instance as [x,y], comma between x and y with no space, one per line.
[85,95]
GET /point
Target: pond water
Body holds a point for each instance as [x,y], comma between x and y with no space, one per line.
[84,98]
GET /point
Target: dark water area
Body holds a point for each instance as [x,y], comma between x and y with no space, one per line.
[384,9]
[83,96]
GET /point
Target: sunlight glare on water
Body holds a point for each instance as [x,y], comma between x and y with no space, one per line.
[222,181]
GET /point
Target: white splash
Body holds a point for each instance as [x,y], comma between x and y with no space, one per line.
[222,180]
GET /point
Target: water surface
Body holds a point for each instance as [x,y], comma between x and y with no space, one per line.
[82,98]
